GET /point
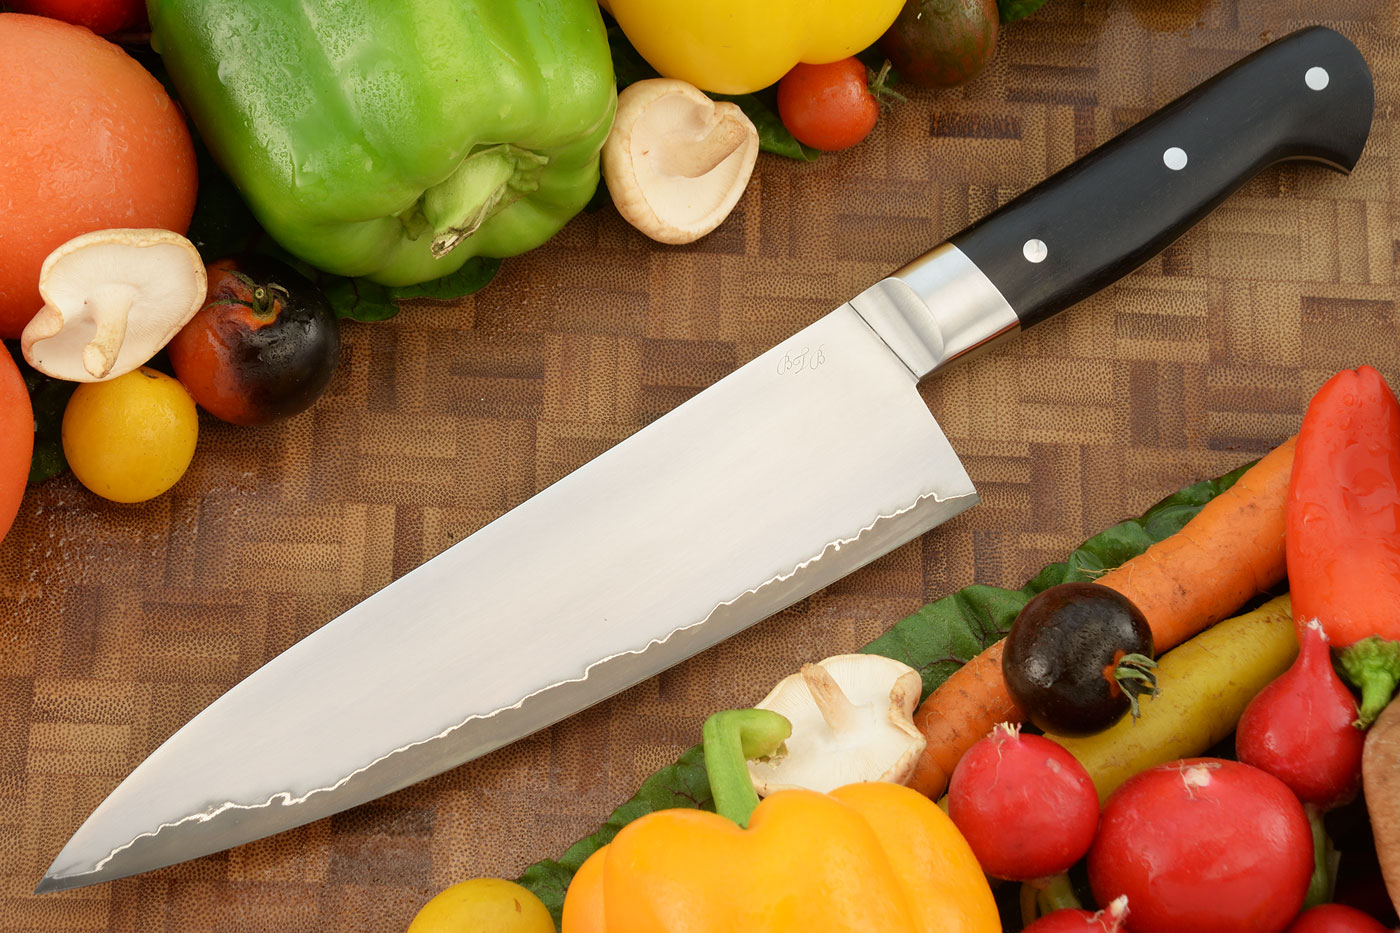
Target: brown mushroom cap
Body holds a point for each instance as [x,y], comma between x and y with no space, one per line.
[112,300]
[676,162]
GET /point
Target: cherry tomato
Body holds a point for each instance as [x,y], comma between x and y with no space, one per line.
[263,347]
[1205,845]
[828,107]
[1025,805]
[103,17]
[131,438]
[483,904]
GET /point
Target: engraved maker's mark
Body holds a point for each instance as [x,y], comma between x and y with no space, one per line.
[802,360]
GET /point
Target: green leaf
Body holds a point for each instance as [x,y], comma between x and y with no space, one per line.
[475,274]
[761,107]
[1012,10]
[48,397]
[681,785]
[936,640]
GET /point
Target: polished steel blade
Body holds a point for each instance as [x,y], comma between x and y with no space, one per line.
[808,462]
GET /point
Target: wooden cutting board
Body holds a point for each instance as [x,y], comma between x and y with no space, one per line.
[119,623]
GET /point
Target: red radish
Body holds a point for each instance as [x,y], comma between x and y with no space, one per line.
[1204,845]
[1069,920]
[1335,918]
[1299,728]
[1026,806]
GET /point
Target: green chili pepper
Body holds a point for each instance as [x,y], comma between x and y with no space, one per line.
[397,140]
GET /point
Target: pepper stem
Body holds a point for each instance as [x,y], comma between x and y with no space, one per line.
[487,182]
[1372,666]
[731,738]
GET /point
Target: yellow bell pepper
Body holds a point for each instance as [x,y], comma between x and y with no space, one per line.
[739,46]
[867,857]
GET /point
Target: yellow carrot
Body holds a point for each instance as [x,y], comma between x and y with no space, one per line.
[1205,685]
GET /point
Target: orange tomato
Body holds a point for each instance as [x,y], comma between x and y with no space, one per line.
[16,439]
[91,141]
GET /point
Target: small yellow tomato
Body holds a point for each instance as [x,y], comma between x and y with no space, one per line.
[131,438]
[483,904]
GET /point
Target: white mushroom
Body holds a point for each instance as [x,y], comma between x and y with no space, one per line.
[676,162]
[112,300]
[852,720]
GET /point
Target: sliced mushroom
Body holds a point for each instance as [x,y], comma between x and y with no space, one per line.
[676,162]
[112,300]
[852,721]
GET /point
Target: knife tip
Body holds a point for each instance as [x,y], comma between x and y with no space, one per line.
[49,884]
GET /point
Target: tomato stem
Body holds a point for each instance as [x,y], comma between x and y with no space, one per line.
[880,88]
[1135,675]
[731,737]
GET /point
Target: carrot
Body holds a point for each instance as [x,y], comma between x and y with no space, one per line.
[1231,550]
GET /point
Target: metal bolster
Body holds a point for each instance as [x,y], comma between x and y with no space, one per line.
[936,309]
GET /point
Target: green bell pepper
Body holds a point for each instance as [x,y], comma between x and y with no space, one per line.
[395,140]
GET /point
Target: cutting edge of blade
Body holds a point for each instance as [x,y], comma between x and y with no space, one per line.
[52,882]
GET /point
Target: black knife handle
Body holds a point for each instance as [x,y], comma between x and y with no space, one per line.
[1306,96]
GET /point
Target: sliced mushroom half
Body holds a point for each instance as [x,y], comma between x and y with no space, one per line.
[112,300]
[852,721]
[676,162]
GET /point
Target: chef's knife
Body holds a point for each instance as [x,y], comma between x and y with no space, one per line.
[806,463]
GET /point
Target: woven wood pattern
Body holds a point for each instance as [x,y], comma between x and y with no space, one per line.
[120,623]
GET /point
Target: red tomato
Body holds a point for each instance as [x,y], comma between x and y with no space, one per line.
[1204,845]
[1335,918]
[103,17]
[828,106]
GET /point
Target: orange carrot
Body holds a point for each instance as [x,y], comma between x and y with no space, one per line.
[1231,550]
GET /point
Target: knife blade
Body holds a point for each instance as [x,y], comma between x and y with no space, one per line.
[801,466]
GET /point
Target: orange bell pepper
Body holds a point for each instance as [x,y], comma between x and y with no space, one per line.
[866,857]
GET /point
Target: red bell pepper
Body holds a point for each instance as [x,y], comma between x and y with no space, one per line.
[1343,529]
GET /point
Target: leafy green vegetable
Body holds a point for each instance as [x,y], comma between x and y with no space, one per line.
[761,107]
[48,397]
[936,640]
[1012,10]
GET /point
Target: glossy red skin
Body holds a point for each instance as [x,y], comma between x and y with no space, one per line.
[828,107]
[247,367]
[1025,805]
[17,438]
[1299,728]
[1204,845]
[1335,918]
[103,17]
[1343,522]
[1075,921]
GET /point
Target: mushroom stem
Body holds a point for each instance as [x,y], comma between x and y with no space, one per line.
[110,307]
[838,711]
[691,158]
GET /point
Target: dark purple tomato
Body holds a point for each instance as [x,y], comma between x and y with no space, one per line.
[263,347]
[1077,658]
